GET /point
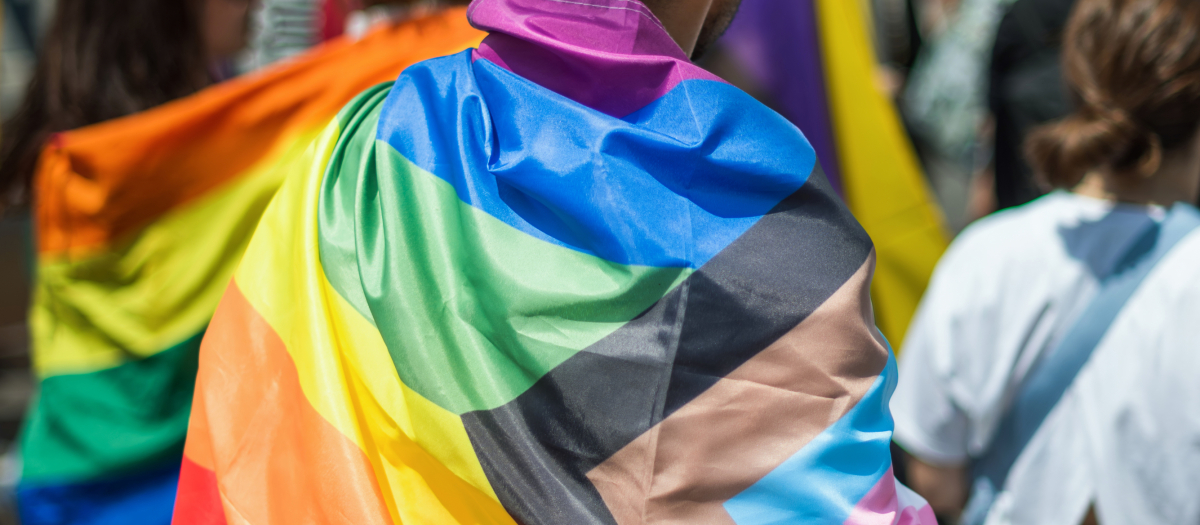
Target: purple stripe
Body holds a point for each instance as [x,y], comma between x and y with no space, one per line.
[778,43]
[610,55]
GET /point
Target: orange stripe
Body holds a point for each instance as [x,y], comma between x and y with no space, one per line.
[198,448]
[277,461]
[100,182]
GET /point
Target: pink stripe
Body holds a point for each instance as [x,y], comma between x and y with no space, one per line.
[610,55]
[914,509]
[890,503]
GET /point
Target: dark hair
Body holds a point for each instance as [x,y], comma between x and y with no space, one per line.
[101,59]
[1134,66]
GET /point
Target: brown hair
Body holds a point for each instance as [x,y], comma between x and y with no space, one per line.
[101,60]
[1134,66]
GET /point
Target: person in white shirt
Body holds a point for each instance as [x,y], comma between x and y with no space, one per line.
[1122,445]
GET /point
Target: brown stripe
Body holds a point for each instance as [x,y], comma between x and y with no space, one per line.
[754,419]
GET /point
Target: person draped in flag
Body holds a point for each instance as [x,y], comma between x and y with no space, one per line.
[141,219]
[566,277]
[1050,374]
[102,61]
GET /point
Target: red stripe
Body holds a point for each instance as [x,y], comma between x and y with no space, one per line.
[198,501]
[278,460]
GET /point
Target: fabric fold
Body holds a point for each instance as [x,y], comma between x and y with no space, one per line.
[519,300]
[141,223]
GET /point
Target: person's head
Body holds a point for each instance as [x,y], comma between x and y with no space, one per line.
[102,60]
[226,28]
[1134,66]
[695,24]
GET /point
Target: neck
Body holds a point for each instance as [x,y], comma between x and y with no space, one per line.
[1178,179]
[683,19]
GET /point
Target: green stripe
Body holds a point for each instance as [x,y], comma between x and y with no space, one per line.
[336,240]
[85,426]
[472,310]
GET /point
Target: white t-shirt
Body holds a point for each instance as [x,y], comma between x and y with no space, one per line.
[1126,434]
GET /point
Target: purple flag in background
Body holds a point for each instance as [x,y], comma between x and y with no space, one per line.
[777,44]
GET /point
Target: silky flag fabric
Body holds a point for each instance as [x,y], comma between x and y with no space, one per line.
[814,58]
[566,278]
[141,222]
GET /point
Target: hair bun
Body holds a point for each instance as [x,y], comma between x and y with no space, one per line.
[1064,152]
[1134,67]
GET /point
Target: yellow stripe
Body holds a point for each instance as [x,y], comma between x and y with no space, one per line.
[156,289]
[344,366]
[884,185]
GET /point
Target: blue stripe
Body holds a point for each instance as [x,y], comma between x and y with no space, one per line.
[824,481]
[670,185]
[146,498]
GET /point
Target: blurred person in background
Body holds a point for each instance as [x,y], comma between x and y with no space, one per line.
[287,28]
[1026,90]
[141,219]
[1050,374]
[100,61]
[16,383]
[20,32]
[944,102]
[898,40]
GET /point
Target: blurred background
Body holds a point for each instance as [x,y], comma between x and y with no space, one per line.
[966,81]
[23,21]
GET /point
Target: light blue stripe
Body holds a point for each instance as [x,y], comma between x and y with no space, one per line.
[670,185]
[824,481]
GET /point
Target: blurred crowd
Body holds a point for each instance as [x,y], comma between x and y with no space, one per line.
[971,78]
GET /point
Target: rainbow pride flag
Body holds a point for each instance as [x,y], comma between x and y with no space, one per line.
[814,59]
[566,278]
[141,222]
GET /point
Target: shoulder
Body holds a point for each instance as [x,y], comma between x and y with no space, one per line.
[991,288]
[1151,346]
[1005,240]
[1180,269]
[369,101]
[1143,382]
[1170,296]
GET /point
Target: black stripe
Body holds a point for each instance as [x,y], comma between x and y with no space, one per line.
[538,448]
